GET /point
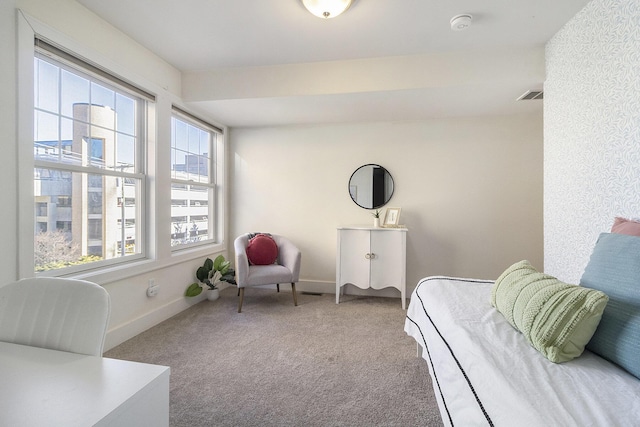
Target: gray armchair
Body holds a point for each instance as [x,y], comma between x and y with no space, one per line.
[285,270]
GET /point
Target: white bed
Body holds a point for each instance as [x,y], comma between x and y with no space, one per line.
[485,373]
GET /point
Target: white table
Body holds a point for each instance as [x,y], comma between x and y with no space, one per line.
[41,387]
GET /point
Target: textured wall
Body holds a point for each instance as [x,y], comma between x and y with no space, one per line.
[591,131]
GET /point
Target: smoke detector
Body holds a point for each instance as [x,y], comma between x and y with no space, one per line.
[461,22]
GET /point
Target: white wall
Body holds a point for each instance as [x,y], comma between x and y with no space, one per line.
[470,190]
[591,131]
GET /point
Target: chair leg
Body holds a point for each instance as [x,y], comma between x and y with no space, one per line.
[295,297]
[278,286]
[241,293]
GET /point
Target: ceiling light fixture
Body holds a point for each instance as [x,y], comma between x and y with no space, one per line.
[460,22]
[326,8]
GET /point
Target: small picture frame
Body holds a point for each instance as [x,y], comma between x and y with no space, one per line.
[391,217]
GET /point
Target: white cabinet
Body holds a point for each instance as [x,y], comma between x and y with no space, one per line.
[371,258]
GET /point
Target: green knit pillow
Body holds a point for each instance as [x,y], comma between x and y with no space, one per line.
[556,318]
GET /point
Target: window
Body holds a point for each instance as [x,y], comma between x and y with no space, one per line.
[63,226]
[88,142]
[193,183]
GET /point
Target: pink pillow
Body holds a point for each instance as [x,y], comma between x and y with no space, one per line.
[626,226]
[262,250]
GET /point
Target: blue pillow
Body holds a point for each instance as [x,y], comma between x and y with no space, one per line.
[614,268]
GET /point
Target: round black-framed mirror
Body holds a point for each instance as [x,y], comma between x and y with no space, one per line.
[371,186]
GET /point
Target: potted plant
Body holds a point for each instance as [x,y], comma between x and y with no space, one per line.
[212,272]
[376,218]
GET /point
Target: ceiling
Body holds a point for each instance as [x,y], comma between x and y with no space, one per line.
[270,62]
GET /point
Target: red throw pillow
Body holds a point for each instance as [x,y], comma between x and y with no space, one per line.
[262,250]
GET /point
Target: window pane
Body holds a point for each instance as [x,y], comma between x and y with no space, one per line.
[46,127]
[46,81]
[192,166]
[189,214]
[75,90]
[180,135]
[179,165]
[203,169]
[66,130]
[103,96]
[95,232]
[125,114]
[125,153]
[194,140]
[205,143]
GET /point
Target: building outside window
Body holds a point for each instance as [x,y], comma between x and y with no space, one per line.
[193,183]
[88,141]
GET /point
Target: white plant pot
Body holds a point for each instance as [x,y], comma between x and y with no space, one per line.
[213,294]
[376,222]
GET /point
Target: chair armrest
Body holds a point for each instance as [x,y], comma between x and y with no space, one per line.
[242,262]
[289,256]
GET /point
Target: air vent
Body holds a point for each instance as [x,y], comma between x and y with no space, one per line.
[530,94]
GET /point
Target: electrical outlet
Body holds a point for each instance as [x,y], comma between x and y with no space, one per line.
[152,289]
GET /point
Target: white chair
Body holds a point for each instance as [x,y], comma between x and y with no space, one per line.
[285,270]
[55,313]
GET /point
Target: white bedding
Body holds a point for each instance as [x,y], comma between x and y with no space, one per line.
[485,373]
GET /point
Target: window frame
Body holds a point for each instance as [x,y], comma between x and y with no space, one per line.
[216,142]
[74,64]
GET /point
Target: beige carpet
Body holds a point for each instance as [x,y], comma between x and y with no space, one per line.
[318,364]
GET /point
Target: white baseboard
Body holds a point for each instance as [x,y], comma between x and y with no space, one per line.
[122,333]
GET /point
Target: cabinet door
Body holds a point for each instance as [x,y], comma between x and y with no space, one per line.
[354,264]
[387,261]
